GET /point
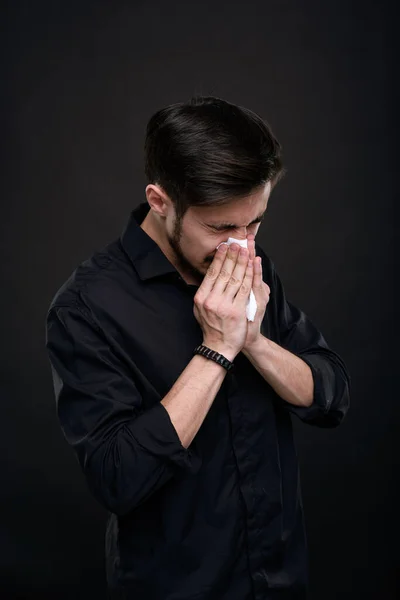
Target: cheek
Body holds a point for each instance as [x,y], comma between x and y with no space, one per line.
[198,251]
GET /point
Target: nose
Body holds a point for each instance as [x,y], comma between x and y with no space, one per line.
[243,236]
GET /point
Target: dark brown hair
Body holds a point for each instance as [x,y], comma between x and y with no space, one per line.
[208,151]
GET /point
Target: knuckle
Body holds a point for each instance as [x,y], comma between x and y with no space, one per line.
[265,288]
[244,288]
[223,311]
[224,274]
[233,280]
[234,314]
[208,304]
[211,272]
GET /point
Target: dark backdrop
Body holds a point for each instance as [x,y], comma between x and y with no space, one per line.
[81,81]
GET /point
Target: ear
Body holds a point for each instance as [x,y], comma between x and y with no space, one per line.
[159,201]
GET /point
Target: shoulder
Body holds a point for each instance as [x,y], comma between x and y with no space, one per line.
[96,273]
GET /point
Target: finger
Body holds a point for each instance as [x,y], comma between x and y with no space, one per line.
[257,275]
[244,290]
[213,271]
[237,275]
[227,269]
[251,244]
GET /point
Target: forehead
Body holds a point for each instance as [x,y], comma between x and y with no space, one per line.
[239,211]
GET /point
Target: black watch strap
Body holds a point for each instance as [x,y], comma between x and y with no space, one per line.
[213,355]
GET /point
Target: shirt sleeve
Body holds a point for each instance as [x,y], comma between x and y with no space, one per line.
[299,335]
[126,453]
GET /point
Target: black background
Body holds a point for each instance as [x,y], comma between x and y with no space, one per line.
[81,81]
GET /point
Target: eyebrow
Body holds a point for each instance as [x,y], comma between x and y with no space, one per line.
[229,225]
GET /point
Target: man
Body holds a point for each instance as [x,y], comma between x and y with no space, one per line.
[194,460]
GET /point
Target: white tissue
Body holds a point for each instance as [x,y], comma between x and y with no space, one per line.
[251,307]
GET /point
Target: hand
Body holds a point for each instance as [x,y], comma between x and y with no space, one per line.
[261,292]
[220,302]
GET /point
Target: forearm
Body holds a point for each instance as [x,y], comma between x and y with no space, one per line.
[288,375]
[192,395]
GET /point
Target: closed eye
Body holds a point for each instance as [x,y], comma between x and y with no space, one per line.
[227,227]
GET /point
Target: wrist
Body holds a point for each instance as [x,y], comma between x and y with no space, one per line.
[254,346]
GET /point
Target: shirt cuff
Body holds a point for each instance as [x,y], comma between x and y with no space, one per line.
[328,407]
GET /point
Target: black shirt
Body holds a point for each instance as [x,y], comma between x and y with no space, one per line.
[222,519]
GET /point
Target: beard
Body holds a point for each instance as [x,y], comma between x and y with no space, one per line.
[182,262]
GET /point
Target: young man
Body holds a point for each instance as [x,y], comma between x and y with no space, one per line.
[194,460]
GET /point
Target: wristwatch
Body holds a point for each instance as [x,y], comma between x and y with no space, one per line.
[213,355]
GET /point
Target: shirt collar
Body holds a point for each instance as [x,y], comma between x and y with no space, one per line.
[146,255]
